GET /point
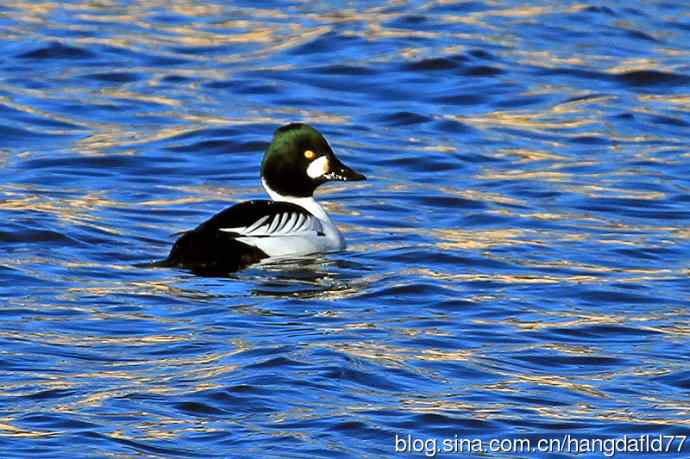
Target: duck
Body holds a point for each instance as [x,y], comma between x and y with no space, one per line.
[291,224]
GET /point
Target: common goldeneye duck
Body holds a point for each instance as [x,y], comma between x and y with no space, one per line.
[293,224]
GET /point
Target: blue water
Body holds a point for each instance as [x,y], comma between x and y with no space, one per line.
[518,259]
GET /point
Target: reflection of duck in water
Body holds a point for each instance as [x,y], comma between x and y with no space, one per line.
[293,224]
[313,276]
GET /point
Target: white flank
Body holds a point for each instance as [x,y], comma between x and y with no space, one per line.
[302,239]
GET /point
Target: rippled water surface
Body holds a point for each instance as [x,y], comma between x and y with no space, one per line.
[517,264]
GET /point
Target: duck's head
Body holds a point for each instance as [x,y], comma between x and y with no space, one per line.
[299,160]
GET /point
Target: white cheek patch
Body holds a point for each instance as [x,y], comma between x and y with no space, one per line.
[318,167]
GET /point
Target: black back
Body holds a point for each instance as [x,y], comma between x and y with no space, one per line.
[247,212]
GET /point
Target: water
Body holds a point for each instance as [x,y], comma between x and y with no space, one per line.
[517,264]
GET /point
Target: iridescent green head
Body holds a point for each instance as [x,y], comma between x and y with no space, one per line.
[299,160]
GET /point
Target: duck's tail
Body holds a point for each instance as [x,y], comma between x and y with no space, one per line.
[171,260]
[196,251]
[166,263]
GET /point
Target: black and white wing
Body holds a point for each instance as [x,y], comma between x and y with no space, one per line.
[247,233]
[256,219]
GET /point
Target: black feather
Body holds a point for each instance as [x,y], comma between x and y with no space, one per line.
[207,249]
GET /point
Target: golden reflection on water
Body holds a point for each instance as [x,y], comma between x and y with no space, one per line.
[435,406]
[262,31]
[526,155]
[479,195]
[521,120]
[387,355]
[546,176]
[548,59]
[9,429]
[146,288]
[85,340]
[469,239]
[578,319]
[79,209]
[680,101]
[111,136]
[508,279]
[569,384]
[38,112]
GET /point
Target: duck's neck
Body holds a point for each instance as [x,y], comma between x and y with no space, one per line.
[308,203]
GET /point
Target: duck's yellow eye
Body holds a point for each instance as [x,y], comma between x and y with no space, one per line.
[309,154]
